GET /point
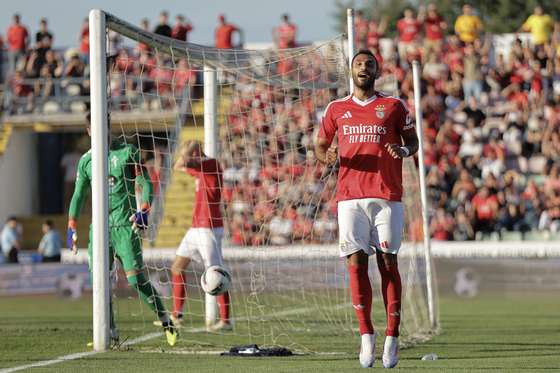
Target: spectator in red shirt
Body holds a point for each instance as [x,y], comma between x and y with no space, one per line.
[375,32]
[18,40]
[284,35]
[181,29]
[145,25]
[183,77]
[224,32]
[485,211]
[434,28]
[84,41]
[408,28]
[361,26]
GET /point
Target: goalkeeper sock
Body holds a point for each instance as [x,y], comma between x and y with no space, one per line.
[148,294]
[223,304]
[179,293]
[360,288]
[391,288]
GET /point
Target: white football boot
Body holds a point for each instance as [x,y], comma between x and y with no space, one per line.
[391,352]
[367,350]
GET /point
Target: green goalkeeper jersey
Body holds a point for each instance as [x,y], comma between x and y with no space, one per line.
[125,174]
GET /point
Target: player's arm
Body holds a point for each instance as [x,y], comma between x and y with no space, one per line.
[325,151]
[409,145]
[139,219]
[188,158]
[81,189]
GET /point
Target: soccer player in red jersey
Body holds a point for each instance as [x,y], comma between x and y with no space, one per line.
[203,241]
[374,133]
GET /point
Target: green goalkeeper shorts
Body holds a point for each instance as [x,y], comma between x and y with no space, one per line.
[125,245]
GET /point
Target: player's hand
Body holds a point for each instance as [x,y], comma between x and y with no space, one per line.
[331,155]
[72,236]
[395,151]
[139,220]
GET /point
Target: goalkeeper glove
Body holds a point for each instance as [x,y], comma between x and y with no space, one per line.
[72,236]
[139,220]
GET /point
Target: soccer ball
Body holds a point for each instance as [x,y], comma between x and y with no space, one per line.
[215,280]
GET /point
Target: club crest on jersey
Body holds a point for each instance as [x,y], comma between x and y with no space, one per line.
[380,111]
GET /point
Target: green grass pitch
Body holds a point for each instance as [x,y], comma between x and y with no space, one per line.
[517,333]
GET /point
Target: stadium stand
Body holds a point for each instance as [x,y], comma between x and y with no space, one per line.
[492,123]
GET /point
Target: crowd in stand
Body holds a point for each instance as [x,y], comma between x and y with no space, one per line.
[492,124]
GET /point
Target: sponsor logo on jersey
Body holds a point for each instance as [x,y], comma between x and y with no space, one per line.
[363,133]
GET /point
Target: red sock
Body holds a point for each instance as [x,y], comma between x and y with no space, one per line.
[360,288]
[391,288]
[223,305]
[179,293]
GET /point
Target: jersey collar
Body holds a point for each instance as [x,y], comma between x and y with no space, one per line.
[365,102]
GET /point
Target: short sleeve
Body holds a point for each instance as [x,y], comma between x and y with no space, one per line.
[328,125]
[405,122]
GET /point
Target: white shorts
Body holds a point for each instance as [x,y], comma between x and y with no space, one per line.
[370,224]
[203,245]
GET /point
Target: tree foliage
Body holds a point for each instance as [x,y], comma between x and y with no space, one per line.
[498,16]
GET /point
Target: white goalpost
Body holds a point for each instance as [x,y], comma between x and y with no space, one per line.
[424,195]
[100,192]
[257,112]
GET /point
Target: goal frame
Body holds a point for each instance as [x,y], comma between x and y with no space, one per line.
[99,23]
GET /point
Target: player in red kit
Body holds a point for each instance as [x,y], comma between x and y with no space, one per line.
[374,133]
[203,241]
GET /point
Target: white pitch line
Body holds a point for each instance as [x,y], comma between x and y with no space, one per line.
[147,337]
[78,355]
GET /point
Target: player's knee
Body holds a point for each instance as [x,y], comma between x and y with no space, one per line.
[358,258]
[179,266]
[387,262]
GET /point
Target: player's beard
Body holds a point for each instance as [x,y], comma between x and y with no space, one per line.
[365,85]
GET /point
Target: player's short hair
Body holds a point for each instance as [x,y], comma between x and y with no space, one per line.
[368,53]
[49,223]
[88,119]
[11,218]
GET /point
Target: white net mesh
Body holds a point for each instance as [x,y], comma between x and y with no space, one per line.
[289,286]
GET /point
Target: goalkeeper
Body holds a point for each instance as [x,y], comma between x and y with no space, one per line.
[125,173]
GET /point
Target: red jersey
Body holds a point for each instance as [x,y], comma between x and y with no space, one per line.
[286,35]
[433,28]
[408,29]
[180,32]
[207,213]
[84,40]
[223,36]
[17,38]
[364,127]
[484,207]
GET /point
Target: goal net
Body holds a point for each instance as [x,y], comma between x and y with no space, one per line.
[289,286]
